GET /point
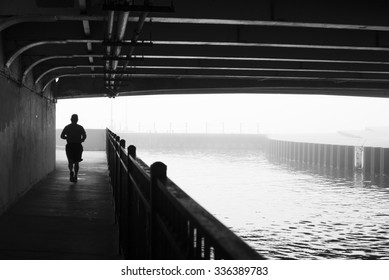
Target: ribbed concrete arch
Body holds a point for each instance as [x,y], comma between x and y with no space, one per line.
[31,18]
[40,43]
[269,39]
[29,69]
[199,43]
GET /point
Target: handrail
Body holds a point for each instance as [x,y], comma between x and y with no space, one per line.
[157,219]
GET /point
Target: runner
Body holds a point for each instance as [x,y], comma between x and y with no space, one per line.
[74,134]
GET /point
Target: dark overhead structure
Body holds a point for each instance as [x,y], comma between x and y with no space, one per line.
[81,48]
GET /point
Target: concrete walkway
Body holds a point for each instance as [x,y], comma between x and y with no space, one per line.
[60,220]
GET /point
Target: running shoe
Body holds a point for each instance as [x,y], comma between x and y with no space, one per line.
[71,176]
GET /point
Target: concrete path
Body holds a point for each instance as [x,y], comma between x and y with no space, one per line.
[60,220]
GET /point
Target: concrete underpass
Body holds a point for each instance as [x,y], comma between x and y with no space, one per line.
[72,49]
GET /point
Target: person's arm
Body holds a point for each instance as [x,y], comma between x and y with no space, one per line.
[64,134]
[83,135]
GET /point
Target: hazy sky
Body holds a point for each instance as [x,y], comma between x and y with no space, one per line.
[217,113]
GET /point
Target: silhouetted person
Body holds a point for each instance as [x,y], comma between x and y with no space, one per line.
[74,135]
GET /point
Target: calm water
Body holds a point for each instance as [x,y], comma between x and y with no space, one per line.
[281,211]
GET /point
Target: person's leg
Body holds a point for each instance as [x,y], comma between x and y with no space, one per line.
[78,154]
[76,168]
[70,165]
[70,161]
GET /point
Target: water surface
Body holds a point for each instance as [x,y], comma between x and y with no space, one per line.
[282,211]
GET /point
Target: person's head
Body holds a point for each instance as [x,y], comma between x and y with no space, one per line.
[74,118]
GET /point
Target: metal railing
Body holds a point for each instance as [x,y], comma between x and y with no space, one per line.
[158,220]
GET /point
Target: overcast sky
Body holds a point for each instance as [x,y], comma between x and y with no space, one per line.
[229,113]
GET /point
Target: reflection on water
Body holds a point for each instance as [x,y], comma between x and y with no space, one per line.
[285,212]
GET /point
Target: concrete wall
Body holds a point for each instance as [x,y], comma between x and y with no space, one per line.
[27,137]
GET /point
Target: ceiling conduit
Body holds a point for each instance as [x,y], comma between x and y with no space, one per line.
[136,35]
[120,31]
[110,22]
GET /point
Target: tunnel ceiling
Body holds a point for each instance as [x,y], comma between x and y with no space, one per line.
[81,48]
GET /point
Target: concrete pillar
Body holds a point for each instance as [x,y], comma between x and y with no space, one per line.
[339,152]
[309,153]
[319,157]
[274,150]
[372,162]
[286,151]
[325,155]
[386,161]
[294,145]
[282,150]
[301,153]
[306,153]
[366,159]
[346,160]
[270,148]
[295,151]
[350,156]
[382,161]
[314,154]
[331,156]
[290,151]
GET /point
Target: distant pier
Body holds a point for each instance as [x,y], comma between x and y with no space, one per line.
[96,141]
[367,151]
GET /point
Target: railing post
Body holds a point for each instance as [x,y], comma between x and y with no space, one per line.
[132,151]
[157,172]
[121,203]
[115,174]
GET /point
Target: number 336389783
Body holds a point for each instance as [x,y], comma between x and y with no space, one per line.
[235,270]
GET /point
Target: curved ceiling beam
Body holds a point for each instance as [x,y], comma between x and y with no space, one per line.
[40,43]
[22,19]
[263,69]
[29,69]
[269,23]
[172,76]
[373,92]
[265,23]
[25,73]
[258,78]
[202,43]
[29,46]
[265,59]
[244,44]
[123,71]
[65,67]
[70,75]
